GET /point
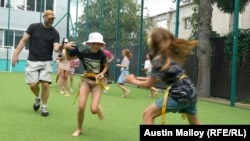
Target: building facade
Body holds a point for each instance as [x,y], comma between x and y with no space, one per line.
[221,22]
[16,16]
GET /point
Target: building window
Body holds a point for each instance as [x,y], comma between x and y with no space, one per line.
[29,5]
[40,5]
[15,4]
[1,38]
[11,38]
[2,3]
[18,36]
[49,4]
[187,23]
[8,36]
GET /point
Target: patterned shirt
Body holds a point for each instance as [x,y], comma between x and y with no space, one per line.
[182,90]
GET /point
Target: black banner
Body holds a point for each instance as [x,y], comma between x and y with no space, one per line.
[195,132]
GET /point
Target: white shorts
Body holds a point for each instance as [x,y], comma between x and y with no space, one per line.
[37,71]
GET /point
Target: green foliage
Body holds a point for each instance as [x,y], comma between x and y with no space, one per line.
[227,6]
[128,25]
[194,23]
[214,34]
[243,44]
[245,101]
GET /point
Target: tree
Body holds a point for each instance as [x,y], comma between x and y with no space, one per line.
[204,49]
[201,27]
[227,6]
[129,23]
[243,48]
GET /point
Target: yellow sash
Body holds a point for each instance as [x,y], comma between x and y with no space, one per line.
[164,103]
[92,75]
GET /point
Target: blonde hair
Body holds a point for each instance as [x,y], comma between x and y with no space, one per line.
[161,42]
[127,53]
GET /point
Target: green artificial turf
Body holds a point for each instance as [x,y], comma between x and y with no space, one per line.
[123,116]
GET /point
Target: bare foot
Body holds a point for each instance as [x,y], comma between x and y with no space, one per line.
[100,113]
[151,95]
[126,93]
[155,93]
[124,96]
[77,133]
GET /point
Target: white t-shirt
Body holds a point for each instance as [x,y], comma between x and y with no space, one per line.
[148,66]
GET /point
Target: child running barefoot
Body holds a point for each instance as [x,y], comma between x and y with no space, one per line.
[147,67]
[95,66]
[169,54]
[124,71]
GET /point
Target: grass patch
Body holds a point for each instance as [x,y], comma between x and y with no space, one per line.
[123,116]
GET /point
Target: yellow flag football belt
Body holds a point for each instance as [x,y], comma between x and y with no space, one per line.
[92,75]
[165,99]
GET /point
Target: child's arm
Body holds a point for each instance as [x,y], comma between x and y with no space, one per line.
[141,78]
[146,83]
[125,64]
[101,74]
[70,46]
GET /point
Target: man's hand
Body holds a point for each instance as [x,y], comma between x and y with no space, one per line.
[14,60]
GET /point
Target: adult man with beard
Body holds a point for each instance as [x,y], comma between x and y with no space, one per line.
[43,39]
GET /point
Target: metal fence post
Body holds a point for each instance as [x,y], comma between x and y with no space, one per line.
[235,53]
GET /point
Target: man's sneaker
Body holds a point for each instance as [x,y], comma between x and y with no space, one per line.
[36,105]
[44,112]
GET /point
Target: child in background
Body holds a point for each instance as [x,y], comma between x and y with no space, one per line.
[73,65]
[110,58]
[64,67]
[124,71]
[57,72]
[169,54]
[148,68]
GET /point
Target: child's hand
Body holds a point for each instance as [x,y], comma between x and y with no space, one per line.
[99,76]
[70,45]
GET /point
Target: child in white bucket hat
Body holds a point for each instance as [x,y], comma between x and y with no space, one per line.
[95,66]
[95,37]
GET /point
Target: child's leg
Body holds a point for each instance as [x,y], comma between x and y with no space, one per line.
[193,119]
[150,113]
[65,81]
[57,78]
[124,89]
[83,97]
[71,75]
[154,91]
[61,82]
[95,102]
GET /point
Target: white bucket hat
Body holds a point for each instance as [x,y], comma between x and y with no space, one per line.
[95,37]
